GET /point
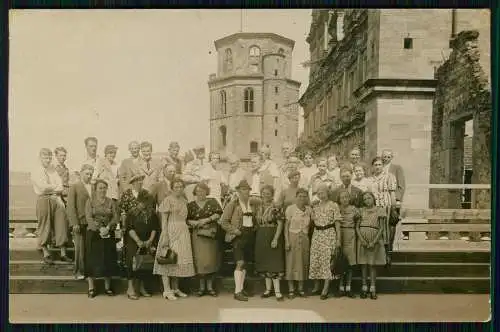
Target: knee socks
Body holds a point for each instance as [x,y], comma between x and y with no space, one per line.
[276,284]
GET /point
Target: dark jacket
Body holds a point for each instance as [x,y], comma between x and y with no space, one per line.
[77,198]
[355,192]
[398,173]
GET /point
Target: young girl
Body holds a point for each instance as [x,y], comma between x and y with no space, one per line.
[350,215]
[370,243]
[326,219]
[298,219]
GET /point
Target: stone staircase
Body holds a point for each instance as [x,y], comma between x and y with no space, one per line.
[423,271]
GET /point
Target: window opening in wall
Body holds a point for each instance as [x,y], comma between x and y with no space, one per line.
[248,100]
[276,119]
[408,43]
[223,135]
[276,132]
[276,89]
[275,106]
[223,102]
[254,147]
[276,72]
[228,60]
[281,51]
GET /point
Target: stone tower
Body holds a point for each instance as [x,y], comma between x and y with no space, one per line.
[253,100]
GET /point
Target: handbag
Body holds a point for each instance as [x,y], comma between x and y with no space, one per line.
[394,217]
[143,260]
[169,258]
[338,262]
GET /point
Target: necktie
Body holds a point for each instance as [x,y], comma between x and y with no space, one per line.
[148,165]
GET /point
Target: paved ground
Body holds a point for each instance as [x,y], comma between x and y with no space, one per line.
[28,308]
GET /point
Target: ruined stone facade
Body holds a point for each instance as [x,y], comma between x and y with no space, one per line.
[372,84]
[253,100]
[463,93]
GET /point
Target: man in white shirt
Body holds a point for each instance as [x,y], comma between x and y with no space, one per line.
[234,177]
[50,210]
[91,157]
[307,171]
[191,173]
[149,167]
[269,171]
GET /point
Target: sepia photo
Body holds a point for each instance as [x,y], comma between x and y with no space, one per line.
[249,165]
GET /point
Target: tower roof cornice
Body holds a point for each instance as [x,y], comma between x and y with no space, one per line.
[253,35]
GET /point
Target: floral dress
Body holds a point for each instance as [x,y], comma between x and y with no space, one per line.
[206,251]
[382,186]
[175,235]
[323,240]
[269,262]
[142,218]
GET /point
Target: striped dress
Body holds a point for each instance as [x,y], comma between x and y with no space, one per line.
[382,186]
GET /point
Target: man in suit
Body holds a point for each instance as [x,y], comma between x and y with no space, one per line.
[354,192]
[397,171]
[149,167]
[78,195]
[127,166]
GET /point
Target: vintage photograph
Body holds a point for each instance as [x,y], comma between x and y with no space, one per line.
[244,165]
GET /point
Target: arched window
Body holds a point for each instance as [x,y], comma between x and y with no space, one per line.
[223,102]
[228,60]
[254,52]
[254,147]
[248,100]
[223,135]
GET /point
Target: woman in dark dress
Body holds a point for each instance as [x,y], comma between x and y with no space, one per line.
[101,258]
[203,214]
[141,227]
[269,246]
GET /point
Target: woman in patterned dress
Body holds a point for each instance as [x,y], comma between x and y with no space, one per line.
[359,179]
[138,210]
[174,235]
[101,258]
[326,221]
[350,216]
[203,214]
[298,220]
[269,247]
[370,244]
[383,186]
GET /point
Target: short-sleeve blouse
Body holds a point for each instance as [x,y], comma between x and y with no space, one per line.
[177,207]
[299,220]
[350,216]
[325,214]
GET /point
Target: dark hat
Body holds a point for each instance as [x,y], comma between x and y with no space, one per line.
[136,177]
[243,185]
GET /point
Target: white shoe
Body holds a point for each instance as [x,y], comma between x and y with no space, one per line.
[406,237]
[485,238]
[30,235]
[426,237]
[465,238]
[169,296]
[444,238]
[179,293]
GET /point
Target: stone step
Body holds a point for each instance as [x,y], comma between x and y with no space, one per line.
[398,269]
[68,285]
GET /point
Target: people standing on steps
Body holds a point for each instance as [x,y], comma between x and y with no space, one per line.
[318,179]
[333,170]
[307,171]
[203,214]
[138,213]
[383,186]
[101,213]
[297,244]
[173,157]
[354,158]
[359,179]
[269,169]
[288,196]
[370,244]
[128,166]
[148,166]
[162,189]
[234,177]
[60,153]
[175,236]
[79,194]
[269,244]
[238,220]
[107,170]
[91,156]
[214,177]
[50,209]
[354,192]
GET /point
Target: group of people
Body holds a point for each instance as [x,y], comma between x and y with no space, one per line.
[167,214]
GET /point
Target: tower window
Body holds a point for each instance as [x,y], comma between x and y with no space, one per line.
[408,43]
[254,147]
[275,106]
[228,60]
[276,132]
[276,89]
[276,72]
[223,102]
[276,119]
[248,100]
[223,135]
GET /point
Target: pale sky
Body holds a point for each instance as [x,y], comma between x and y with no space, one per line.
[123,75]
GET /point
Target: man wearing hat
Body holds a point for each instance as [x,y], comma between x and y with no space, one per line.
[238,221]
